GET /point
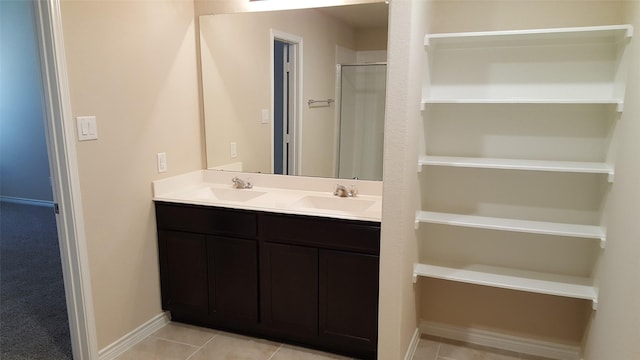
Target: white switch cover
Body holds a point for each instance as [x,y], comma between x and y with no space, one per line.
[265,116]
[234,150]
[87,128]
[162,162]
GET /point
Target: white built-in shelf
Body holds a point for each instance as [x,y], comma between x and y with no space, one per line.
[514,279]
[515,225]
[541,66]
[517,72]
[608,33]
[619,103]
[518,164]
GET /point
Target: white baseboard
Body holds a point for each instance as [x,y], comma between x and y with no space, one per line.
[413,345]
[129,340]
[518,344]
[24,201]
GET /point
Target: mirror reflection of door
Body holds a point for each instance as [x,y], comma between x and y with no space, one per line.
[283,108]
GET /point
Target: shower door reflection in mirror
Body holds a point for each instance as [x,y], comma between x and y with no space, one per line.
[362,109]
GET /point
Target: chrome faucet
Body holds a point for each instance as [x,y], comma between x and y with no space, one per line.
[241,184]
[342,191]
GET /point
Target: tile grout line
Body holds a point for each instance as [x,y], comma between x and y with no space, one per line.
[275,352]
[438,357]
[438,350]
[203,345]
[198,348]
[175,342]
[179,342]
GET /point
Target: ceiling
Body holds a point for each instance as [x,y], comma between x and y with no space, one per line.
[360,16]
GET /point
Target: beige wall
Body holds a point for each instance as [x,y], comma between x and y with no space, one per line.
[133,65]
[615,327]
[470,15]
[236,68]
[371,39]
[398,313]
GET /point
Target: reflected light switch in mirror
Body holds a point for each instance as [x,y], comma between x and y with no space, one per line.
[265,116]
[234,150]
[87,128]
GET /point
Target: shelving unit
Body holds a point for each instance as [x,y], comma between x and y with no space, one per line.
[536,282]
[519,164]
[567,101]
[514,225]
[571,35]
[534,68]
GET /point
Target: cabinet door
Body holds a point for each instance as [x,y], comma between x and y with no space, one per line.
[289,289]
[183,272]
[233,280]
[349,299]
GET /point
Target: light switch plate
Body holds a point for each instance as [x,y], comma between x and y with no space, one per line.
[87,128]
[162,162]
[234,150]
[264,119]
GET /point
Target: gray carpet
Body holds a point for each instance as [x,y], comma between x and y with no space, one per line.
[33,314]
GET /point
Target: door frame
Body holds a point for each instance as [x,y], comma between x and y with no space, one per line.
[63,164]
[297,51]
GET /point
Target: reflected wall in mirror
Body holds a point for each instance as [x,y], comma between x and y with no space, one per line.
[258,113]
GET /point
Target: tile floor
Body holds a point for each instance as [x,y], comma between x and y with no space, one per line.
[431,348]
[177,341]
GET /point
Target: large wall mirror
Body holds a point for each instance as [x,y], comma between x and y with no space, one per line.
[296,92]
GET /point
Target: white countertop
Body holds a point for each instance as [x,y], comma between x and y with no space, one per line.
[273,193]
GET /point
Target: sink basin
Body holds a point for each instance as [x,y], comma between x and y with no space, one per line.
[221,194]
[334,203]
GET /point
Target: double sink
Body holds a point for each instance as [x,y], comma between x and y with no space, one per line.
[361,207]
[212,194]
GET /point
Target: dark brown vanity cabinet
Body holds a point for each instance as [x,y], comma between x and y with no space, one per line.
[208,264]
[183,270]
[319,277]
[289,279]
[307,280]
[348,299]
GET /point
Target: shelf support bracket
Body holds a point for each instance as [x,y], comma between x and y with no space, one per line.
[603,241]
[594,301]
[620,106]
[610,177]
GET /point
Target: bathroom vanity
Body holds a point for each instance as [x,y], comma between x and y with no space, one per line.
[272,265]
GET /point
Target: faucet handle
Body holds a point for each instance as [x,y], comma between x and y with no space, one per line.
[241,184]
[340,191]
